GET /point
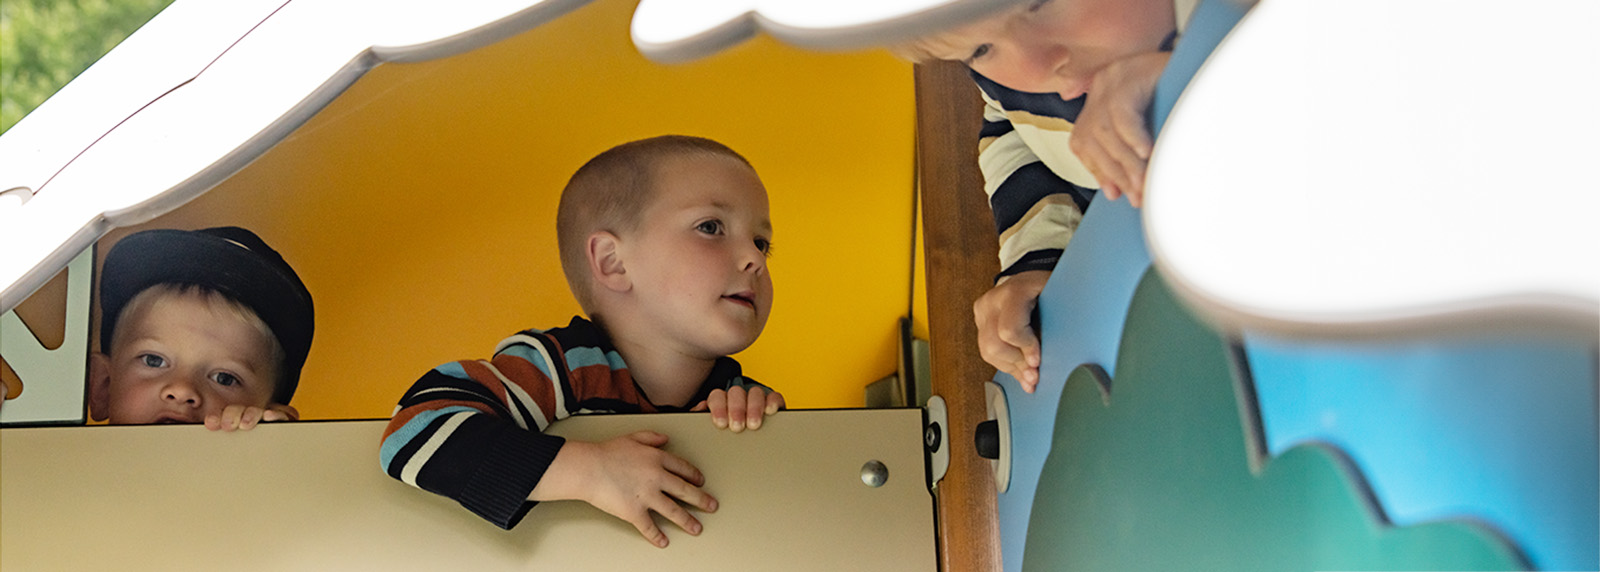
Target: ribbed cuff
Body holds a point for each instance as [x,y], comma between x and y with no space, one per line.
[1043,259]
[512,468]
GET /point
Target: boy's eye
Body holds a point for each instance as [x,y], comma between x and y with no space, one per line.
[225,379]
[710,227]
[764,245]
[152,360]
[979,52]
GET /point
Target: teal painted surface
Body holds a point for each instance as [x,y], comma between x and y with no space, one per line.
[1497,428]
[1158,477]
[1082,309]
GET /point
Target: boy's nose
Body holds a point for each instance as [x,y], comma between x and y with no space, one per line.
[752,259]
[181,392]
[1034,61]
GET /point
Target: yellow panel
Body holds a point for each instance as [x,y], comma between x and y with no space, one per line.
[310,496]
[419,206]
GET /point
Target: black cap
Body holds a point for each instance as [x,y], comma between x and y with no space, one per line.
[230,260]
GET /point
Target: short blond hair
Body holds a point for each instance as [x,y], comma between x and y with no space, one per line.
[610,192]
[921,50]
[926,48]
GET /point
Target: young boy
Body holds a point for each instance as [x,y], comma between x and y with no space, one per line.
[198,326]
[664,243]
[1066,84]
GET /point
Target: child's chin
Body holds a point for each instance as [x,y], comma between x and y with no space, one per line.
[733,346]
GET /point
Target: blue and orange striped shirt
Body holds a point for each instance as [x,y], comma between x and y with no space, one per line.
[473,430]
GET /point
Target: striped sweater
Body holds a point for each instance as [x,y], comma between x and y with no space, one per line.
[473,430]
[1038,189]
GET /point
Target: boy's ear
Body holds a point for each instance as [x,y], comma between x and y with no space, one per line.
[99,386]
[606,263]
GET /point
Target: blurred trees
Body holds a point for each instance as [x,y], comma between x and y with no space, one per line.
[46,43]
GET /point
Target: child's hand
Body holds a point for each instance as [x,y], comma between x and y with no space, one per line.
[737,407]
[1005,326]
[1111,137]
[245,418]
[628,477]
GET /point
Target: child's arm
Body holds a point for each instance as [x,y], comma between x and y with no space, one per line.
[473,431]
[245,418]
[1111,137]
[1036,211]
[461,432]
[738,407]
[629,477]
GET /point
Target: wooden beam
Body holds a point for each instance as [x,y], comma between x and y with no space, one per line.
[961,249]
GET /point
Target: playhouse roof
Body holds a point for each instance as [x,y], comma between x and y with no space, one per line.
[206,87]
[1362,184]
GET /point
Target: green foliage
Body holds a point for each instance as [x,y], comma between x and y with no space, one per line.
[46,43]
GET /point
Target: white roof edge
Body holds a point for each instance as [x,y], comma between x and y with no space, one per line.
[72,207]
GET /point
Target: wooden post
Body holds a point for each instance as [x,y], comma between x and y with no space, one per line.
[961,248]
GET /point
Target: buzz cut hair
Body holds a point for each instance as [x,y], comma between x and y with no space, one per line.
[610,192]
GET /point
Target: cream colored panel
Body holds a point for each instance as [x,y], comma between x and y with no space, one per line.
[53,379]
[310,496]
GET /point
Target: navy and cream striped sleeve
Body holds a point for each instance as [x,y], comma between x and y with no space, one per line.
[1022,151]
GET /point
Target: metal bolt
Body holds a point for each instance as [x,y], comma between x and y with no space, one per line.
[874,474]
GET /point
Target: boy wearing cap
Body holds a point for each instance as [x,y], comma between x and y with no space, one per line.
[664,243]
[208,326]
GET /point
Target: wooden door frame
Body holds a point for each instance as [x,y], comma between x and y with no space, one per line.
[962,258]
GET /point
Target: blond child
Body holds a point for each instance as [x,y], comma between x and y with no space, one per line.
[664,243]
[208,326]
[1065,84]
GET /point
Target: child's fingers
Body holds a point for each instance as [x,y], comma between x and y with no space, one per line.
[1032,353]
[717,402]
[1127,168]
[1102,174]
[226,421]
[1114,172]
[755,407]
[1108,156]
[701,406]
[1023,348]
[999,354]
[737,404]
[685,470]
[650,438]
[648,529]
[691,494]
[1011,352]
[1018,334]
[775,402]
[1029,380]
[675,513]
[288,411]
[1130,127]
[992,345]
[249,418]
